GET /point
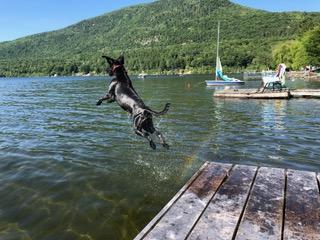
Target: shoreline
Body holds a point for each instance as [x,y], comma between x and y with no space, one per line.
[304,75]
[291,75]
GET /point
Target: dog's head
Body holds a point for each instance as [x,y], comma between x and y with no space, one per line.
[114,64]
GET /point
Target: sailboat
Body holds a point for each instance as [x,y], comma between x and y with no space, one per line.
[220,79]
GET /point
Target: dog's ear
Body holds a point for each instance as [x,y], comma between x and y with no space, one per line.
[121,59]
[109,60]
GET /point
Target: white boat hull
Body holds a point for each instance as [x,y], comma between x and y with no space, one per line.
[223,83]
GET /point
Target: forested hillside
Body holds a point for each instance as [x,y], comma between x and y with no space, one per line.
[163,36]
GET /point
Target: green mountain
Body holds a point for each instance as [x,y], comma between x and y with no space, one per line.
[163,36]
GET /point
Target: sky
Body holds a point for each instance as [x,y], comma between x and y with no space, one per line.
[19,18]
[282,5]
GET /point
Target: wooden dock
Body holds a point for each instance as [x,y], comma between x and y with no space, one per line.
[305,93]
[224,201]
[254,93]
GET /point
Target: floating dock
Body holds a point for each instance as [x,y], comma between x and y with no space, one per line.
[306,93]
[254,93]
[225,201]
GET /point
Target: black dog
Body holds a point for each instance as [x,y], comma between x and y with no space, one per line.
[122,91]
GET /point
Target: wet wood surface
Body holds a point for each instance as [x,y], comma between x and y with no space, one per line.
[153,222]
[220,219]
[222,201]
[262,218]
[179,219]
[302,213]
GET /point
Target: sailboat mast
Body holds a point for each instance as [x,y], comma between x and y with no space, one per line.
[217,58]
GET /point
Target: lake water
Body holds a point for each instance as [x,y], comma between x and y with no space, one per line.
[72,170]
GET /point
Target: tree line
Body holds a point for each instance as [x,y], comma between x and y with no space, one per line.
[169,36]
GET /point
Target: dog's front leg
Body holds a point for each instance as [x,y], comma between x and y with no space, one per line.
[110,96]
[107,98]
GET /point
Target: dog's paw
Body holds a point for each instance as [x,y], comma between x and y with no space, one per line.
[152,145]
[99,102]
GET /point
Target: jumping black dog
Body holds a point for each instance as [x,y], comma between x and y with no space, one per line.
[121,90]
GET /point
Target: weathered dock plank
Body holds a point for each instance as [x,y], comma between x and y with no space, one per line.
[302,213]
[220,219]
[224,201]
[152,223]
[262,219]
[177,221]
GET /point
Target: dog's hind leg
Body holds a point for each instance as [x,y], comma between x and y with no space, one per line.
[147,136]
[162,141]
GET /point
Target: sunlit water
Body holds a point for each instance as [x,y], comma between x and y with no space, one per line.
[72,170]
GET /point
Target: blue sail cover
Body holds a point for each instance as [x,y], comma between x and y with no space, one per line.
[219,74]
[223,77]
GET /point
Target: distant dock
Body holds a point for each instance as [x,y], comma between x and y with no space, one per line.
[254,93]
[225,201]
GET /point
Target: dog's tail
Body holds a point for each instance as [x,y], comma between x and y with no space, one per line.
[164,111]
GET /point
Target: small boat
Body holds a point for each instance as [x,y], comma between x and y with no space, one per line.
[221,79]
[223,83]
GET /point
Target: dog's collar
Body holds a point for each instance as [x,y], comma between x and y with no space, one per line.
[115,67]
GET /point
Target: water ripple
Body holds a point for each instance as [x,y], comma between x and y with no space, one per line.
[71,170]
